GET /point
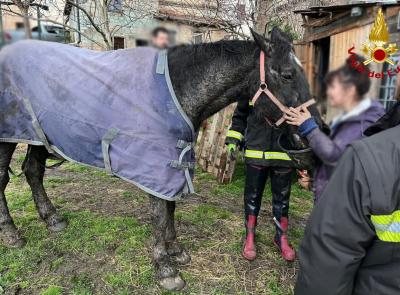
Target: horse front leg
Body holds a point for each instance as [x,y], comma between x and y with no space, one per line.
[34,168]
[9,235]
[167,275]
[174,248]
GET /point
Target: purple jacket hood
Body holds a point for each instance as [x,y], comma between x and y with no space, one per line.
[369,116]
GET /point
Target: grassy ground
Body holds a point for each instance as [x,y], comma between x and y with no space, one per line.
[105,249]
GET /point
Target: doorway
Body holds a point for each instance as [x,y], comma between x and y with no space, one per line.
[321,68]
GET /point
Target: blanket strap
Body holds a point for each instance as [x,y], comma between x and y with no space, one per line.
[182,144]
[162,56]
[35,123]
[182,165]
[186,166]
[105,147]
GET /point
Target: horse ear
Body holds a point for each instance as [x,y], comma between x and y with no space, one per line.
[260,41]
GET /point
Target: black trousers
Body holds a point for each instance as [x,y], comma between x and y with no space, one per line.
[256,177]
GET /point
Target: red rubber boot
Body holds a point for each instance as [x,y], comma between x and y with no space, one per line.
[281,241]
[249,250]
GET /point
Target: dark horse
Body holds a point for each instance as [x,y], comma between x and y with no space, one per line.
[206,78]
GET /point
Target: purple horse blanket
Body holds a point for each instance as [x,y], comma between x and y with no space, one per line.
[113,110]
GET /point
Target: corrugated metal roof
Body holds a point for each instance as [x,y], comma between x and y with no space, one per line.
[312,10]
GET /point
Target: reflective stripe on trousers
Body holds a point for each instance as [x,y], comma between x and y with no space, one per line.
[387,226]
[266,155]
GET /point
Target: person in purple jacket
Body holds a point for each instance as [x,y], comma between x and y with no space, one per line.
[346,90]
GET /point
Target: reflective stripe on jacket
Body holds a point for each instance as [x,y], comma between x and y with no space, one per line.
[387,227]
[351,244]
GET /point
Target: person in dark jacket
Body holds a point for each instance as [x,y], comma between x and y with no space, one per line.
[352,240]
[346,91]
[263,159]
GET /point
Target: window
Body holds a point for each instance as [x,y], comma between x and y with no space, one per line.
[53,29]
[115,6]
[141,42]
[197,38]
[398,21]
[388,86]
[119,43]
[19,25]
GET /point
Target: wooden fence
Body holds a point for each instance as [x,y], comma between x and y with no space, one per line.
[211,152]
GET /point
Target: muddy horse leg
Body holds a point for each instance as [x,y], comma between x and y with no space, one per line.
[174,248]
[166,273]
[9,235]
[34,168]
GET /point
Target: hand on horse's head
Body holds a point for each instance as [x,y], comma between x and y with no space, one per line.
[297,116]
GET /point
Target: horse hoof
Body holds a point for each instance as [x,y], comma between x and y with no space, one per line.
[56,223]
[13,242]
[183,258]
[173,283]
[11,238]
[17,243]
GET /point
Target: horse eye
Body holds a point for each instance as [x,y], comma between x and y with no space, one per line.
[287,75]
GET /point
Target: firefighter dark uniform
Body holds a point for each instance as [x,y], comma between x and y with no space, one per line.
[263,159]
[352,240]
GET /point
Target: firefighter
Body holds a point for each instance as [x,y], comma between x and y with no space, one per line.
[352,240]
[263,159]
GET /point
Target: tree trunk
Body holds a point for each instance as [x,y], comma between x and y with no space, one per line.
[27,25]
[262,16]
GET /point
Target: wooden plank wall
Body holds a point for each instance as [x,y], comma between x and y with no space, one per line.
[339,46]
[304,51]
[211,152]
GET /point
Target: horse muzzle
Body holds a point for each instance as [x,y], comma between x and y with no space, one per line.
[303,158]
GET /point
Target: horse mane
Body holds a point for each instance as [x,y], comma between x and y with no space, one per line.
[234,49]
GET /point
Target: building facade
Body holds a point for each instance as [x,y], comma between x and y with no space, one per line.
[128,23]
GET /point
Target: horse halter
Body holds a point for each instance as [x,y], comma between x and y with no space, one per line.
[264,89]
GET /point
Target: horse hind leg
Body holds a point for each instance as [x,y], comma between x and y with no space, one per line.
[174,248]
[167,275]
[9,234]
[34,168]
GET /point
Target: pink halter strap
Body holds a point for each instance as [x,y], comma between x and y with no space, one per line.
[264,89]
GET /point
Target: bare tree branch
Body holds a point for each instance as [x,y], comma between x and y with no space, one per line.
[92,22]
[56,23]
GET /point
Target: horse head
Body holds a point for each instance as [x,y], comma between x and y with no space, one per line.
[286,83]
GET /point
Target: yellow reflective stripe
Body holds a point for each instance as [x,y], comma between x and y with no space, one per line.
[386,219]
[253,154]
[234,134]
[387,227]
[267,155]
[250,103]
[387,236]
[276,156]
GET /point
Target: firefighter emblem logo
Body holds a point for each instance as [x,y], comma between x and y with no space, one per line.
[376,49]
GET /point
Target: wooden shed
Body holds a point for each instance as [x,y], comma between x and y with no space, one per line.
[330,31]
